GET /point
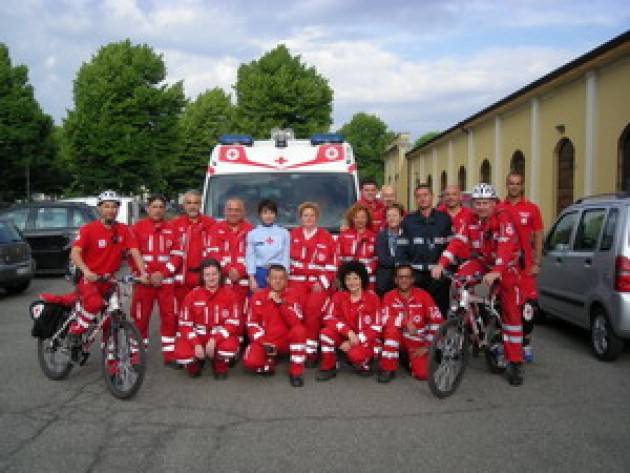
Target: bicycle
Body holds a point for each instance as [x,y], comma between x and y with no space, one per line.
[123,359]
[473,321]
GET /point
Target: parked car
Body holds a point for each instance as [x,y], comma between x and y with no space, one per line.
[50,228]
[585,273]
[16,264]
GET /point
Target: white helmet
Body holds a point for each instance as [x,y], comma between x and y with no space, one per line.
[484,191]
[108,196]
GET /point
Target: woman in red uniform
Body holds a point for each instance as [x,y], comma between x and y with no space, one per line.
[209,324]
[352,323]
[313,266]
[358,242]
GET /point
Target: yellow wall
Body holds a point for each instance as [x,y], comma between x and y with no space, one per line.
[614,116]
[560,102]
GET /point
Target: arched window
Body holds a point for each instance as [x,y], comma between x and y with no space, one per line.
[443,181]
[565,155]
[461,178]
[485,173]
[430,182]
[623,172]
[517,162]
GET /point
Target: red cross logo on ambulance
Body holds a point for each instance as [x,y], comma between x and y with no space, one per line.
[331,153]
[232,154]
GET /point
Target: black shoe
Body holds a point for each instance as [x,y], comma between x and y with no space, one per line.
[173,365]
[221,376]
[515,374]
[364,372]
[386,376]
[325,375]
[296,381]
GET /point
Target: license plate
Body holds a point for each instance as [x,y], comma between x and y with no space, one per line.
[24,270]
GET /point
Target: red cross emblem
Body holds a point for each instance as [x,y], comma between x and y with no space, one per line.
[269,240]
[281,161]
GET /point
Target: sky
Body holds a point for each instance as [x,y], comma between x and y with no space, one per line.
[418,65]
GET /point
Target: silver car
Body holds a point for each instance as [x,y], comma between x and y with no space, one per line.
[585,274]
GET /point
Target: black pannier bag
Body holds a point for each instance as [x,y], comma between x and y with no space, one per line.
[47,318]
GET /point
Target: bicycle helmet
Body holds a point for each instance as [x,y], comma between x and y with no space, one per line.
[108,196]
[484,191]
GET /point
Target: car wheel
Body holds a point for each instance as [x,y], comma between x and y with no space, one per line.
[605,344]
[18,288]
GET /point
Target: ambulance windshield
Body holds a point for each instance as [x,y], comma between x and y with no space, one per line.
[334,192]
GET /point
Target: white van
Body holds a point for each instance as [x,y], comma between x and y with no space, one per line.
[286,170]
[129,212]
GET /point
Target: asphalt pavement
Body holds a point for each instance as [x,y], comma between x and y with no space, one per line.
[571,415]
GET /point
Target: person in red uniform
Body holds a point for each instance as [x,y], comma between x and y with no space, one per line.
[98,252]
[274,326]
[410,320]
[226,244]
[368,198]
[352,323]
[452,206]
[209,324]
[491,241]
[159,246]
[358,242]
[193,229]
[529,223]
[313,266]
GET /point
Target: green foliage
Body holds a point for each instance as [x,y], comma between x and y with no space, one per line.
[123,132]
[26,147]
[426,137]
[202,123]
[278,90]
[369,137]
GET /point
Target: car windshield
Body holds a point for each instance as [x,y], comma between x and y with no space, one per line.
[8,234]
[334,193]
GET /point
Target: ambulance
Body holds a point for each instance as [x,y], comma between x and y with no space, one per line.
[289,171]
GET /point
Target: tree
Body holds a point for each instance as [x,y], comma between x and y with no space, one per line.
[368,136]
[123,132]
[25,131]
[425,138]
[203,121]
[278,90]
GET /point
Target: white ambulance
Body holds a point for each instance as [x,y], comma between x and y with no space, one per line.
[287,170]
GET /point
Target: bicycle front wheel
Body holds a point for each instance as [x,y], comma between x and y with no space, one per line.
[123,360]
[448,357]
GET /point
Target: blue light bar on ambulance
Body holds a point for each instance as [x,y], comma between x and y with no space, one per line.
[245,140]
[323,138]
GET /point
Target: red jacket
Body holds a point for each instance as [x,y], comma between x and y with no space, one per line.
[459,218]
[228,247]
[207,313]
[377,211]
[362,317]
[419,309]
[193,241]
[351,245]
[494,242]
[160,247]
[527,219]
[315,259]
[266,318]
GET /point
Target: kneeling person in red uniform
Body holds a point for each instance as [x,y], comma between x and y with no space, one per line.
[352,323]
[410,320]
[209,324]
[274,326]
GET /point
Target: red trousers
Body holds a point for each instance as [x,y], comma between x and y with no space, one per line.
[225,350]
[330,339]
[312,305]
[511,301]
[241,292]
[394,342]
[293,343]
[91,299]
[529,290]
[142,303]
